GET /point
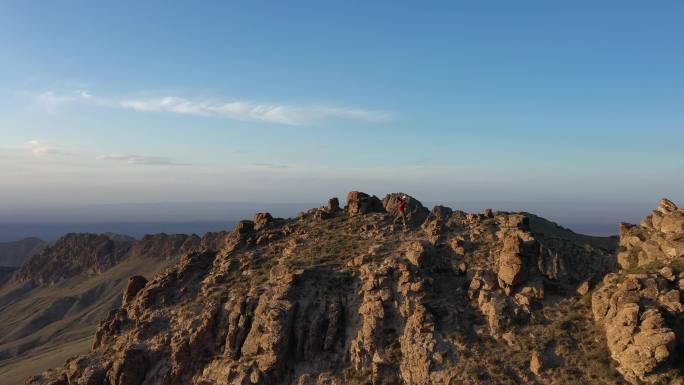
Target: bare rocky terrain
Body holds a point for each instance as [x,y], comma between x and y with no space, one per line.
[343,296]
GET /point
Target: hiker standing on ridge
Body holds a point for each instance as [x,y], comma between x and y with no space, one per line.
[401,210]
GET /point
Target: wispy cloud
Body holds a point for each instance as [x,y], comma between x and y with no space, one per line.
[287,114]
[270,165]
[141,160]
[41,149]
[250,111]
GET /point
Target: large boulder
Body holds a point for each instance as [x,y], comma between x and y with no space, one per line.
[514,262]
[634,312]
[416,213]
[333,205]
[362,203]
[420,253]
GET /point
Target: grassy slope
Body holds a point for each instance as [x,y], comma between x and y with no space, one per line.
[16,370]
[46,325]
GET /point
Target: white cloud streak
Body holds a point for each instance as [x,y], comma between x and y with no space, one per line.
[141,160]
[41,149]
[286,114]
[273,166]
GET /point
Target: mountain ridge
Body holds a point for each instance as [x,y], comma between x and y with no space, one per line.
[343,296]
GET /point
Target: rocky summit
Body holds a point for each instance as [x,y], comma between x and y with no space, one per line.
[342,295]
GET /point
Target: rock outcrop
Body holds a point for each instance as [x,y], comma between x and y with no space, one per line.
[514,261]
[333,205]
[642,312]
[659,237]
[415,211]
[362,203]
[135,284]
[344,297]
[262,220]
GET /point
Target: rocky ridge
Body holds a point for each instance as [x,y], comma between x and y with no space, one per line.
[641,307]
[75,254]
[343,296]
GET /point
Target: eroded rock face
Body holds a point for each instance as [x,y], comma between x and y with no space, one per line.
[262,220]
[514,262]
[244,227]
[642,312]
[500,306]
[333,205]
[269,337]
[634,310]
[522,257]
[129,367]
[436,222]
[421,254]
[416,213]
[135,284]
[392,300]
[165,246]
[659,237]
[362,203]
[367,349]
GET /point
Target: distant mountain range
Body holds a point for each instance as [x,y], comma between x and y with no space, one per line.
[54,230]
[14,253]
[138,219]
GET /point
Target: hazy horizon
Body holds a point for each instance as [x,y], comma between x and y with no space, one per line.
[137,219]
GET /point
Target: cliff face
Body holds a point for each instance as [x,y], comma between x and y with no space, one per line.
[343,296]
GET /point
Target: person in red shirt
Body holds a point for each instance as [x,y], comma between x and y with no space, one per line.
[401,210]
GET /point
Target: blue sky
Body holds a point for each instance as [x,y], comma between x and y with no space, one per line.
[497,101]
